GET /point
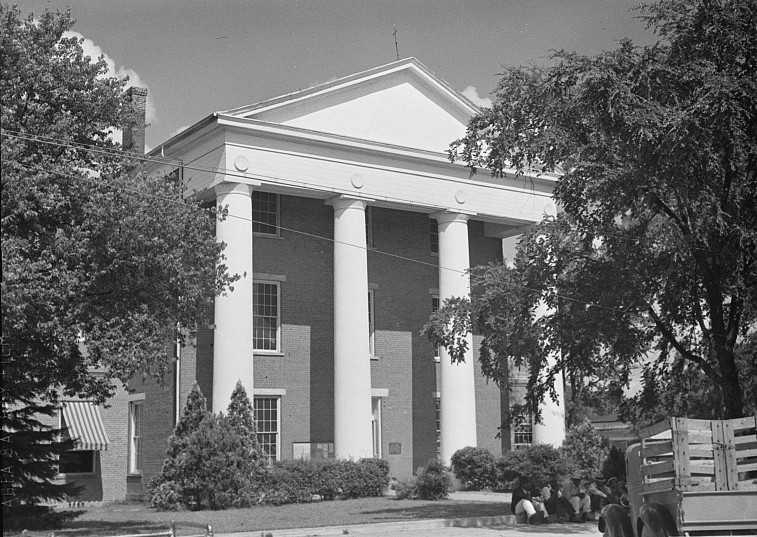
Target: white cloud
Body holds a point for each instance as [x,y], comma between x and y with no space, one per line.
[94,52]
[472,93]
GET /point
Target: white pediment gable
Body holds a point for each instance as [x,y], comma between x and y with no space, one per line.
[401,104]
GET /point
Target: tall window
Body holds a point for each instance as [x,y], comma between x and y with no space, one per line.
[434,235]
[267,414]
[438,412]
[523,432]
[371,324]
[369,226]
[376,426]
[135,436]
[265,317]
[265,213]
[434,309]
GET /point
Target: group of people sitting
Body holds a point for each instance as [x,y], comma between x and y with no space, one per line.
[575,499]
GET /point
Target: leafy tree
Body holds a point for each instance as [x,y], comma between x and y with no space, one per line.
[90,250]
[653,260]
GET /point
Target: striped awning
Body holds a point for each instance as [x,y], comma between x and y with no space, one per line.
[85,425]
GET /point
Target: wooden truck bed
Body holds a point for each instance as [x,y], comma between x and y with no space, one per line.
[703,471]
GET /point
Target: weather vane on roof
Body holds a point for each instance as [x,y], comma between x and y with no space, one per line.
[396,46]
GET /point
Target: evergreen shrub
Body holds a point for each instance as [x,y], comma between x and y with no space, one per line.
[615,464]
[433,481]
[586,448]
[474,468]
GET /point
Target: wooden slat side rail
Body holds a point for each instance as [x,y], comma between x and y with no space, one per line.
[700,437]
[708,469]
[681,449]
[746,439]
[654,469]
[700,451]
[749,467]
[744,423]
[729,447]
[657,428]
[656,449]
[658,486]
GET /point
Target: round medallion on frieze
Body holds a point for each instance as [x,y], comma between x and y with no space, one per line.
[460,196]
[241,163]
[357,180]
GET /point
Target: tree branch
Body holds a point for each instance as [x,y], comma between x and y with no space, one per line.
[670,337]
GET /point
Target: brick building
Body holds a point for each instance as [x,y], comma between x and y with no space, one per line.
[349,225]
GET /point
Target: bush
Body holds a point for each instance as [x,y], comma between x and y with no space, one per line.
[541,463]
[211,461]
[584,446]
[301,480]
[615,464]
[405,489]
[433,481]
[474,468]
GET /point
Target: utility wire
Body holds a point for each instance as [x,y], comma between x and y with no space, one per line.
[166,161]
[170,161]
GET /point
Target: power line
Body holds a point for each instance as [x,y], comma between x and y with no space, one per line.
[225,171]
[304,233]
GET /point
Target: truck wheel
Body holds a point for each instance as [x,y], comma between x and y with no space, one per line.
[646,531]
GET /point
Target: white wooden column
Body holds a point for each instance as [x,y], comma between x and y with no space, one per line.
[232,338]
[352,364]
[458,395]
[552,428]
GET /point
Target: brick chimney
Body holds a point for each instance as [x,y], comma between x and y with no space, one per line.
[134,137]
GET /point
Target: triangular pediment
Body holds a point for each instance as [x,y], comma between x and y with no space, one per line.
[401,104]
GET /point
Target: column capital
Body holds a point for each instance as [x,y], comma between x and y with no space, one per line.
[447,216]
[244,186]
[348,202]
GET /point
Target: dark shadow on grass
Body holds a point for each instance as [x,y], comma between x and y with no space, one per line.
[440,509]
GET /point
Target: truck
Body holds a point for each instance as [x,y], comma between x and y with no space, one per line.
[689,477]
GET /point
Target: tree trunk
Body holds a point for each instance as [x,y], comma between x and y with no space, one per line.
[729,383]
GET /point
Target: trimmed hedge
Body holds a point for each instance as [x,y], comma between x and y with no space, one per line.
[474,468]
[478,469]
[299,481]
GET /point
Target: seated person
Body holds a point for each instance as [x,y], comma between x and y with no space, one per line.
[596,489]
[557,504]
[525,501]
[575,491]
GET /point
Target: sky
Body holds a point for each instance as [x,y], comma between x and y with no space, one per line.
[201,56]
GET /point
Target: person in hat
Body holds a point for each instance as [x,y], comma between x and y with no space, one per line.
[557,504]
[525,501]
[575,491]
[597,493]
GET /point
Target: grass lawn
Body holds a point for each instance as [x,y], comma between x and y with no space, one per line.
[126,518]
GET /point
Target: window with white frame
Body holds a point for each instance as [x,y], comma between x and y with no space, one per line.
[265,213]
[135,436]
[434,309]
[434,237]
[438,414]
[267,419]
[266,316]
[523,431]
[369,226]
[371,324]
[376,426]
